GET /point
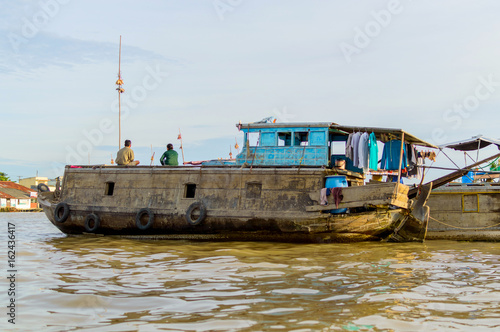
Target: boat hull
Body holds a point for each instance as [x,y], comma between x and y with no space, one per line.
[367,226]
[213,204]
[465,212]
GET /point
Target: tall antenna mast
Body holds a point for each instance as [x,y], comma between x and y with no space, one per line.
[120,90]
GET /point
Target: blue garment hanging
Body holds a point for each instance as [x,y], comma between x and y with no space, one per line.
[373,150]
[390,156]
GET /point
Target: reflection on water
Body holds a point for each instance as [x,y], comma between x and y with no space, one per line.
[114,284]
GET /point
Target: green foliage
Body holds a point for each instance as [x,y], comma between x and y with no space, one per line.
[4,177]
[495,165]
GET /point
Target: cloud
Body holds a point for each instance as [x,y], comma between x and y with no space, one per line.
[50,50]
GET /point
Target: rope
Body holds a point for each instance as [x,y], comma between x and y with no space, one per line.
[303,153]
[494,161]
[476,160]
[457,169]
[466,228]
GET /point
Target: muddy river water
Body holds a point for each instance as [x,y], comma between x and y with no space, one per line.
[115,284]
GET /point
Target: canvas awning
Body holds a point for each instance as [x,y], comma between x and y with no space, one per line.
[474,143]
[380,132]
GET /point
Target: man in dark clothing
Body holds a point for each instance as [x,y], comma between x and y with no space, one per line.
[169,158]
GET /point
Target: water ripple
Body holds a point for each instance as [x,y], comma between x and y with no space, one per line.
[115,284]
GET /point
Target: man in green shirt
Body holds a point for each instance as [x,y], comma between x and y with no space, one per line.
[169,158]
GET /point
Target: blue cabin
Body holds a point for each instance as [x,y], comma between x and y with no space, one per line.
[306,144]
[292,144]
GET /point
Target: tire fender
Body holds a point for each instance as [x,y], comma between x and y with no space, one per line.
[193,207]
[88,222]
[42,187]
[61,212]
[151,219]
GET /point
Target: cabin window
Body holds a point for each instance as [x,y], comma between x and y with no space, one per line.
[301,138]
[284,139]
[110,188]
[267,139]
[337,148]
[190,190]
[470,203]
[317,138]
[254,189]
[253,138]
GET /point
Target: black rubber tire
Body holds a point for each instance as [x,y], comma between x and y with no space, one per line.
[61,212]
[151,219]
[189,213]
[42,187]
[88,220]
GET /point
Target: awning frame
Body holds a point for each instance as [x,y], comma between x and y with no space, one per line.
[472,144]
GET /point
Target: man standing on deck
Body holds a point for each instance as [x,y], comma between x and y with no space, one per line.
[169,158]
[125,156]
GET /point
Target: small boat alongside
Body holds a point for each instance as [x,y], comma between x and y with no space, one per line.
[468,210]
[274,191]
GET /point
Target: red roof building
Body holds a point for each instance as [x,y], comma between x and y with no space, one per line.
[17,196]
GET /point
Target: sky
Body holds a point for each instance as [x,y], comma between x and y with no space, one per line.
[431,68]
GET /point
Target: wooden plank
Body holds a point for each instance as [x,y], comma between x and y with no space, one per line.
[402,189]
[364,192]
[389,193]
[401,201]
[486,176]
[395,202]
[383,190]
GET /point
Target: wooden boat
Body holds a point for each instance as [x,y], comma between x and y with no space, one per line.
[271,193]
[467,210]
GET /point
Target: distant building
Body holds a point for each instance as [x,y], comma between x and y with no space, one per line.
[33,182]
[17,196]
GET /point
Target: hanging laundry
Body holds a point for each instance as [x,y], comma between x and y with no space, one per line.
[363,151]
[414,154]
[337,195]
[355,149]
[322,196]
[373,152]
[390,156]
[431,155]
[412,161]
[348,146]
[420,169]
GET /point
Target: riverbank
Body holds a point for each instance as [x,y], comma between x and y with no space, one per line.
[12,209]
